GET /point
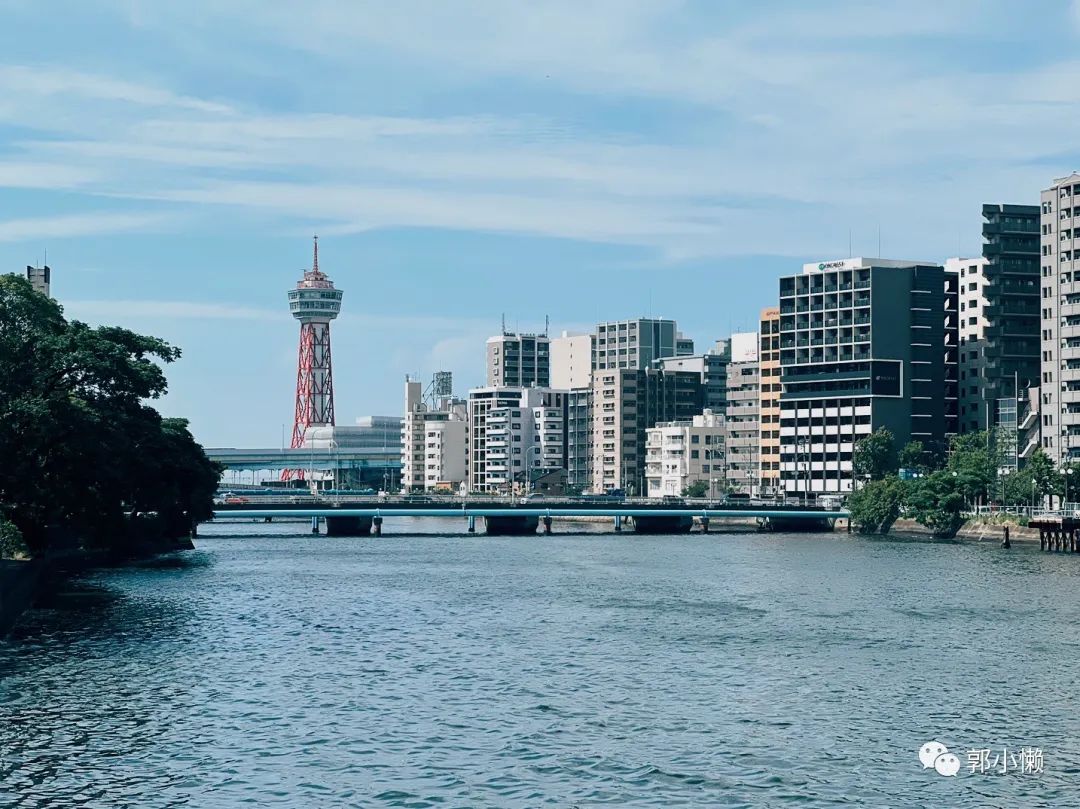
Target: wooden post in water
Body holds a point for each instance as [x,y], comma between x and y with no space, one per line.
[704,525]
[547,526]
[376,524]
[1005,542]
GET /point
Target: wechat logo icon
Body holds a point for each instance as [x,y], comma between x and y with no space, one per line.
[936,756]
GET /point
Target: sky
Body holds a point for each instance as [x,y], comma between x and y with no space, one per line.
[463,161]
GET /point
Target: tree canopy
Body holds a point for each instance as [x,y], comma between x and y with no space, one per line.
[82,449]
[875,455]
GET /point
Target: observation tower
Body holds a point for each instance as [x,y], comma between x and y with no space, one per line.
[314,303]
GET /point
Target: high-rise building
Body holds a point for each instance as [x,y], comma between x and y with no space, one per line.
[579,438]
[314,302]
[862,346]
[769,402]
[514,432]
[742,417]
[571,361]
[625,403]
[680,453]
[40,279]
[713,369]
[433,442]
[636,343]
[1060,319]
[518,360]
[998,310]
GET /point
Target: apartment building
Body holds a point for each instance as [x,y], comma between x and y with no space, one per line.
[742,416]
[769,402]
[679,453]
[1060,319]
[433,442]
[579,438]
[637,343]
[518,360]
[863,345]
[514,433]
[571,361]
[713,369]
[625,403]
[976,404]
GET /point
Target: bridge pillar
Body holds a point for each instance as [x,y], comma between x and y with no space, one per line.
[194,530]
[510,526]
[618,523]
[547,526]
[348,526]
[704,525]
[663,525]
[315,525]
[377,524]
[472,525]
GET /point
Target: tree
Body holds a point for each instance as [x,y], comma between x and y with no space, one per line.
[912,457]
[875,455]
[699,488]
[973,458]
[1043,479]
[81,447]
[937,502]
[876,506]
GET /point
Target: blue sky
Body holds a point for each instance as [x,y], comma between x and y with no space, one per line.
[461,160]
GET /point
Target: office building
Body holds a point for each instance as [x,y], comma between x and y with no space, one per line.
[571,361]
[1060,319]
[636,343]
[625,403]
[679,453]
[513,434]
[518,360]
[741,418]
[433,442]
[40,279]
[769,402]
[862,346]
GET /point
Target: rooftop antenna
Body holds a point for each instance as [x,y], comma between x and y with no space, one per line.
[547,325]
[504,322]
[849,253]
[315,261]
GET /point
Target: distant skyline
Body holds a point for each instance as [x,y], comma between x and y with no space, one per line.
[584,160]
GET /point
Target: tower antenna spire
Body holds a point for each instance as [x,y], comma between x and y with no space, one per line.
[315,262]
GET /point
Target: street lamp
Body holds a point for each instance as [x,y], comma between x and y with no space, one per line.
[528,469]
[1065,501]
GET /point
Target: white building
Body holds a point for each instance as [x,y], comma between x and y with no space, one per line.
[975,411]
[679,453]
[571,361]
[513,433]
[433,442]
[518,360]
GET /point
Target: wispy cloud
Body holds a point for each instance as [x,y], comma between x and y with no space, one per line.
[120,311]
[83,224]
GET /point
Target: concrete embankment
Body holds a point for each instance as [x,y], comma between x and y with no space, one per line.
[975,531]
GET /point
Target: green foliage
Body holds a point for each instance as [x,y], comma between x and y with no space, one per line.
[913,457]
[937,502]
[875,455]
[11,541]
[699,488]
[974,460]
[81,448]
[876,506]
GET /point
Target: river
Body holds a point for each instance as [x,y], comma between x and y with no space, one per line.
[272,668]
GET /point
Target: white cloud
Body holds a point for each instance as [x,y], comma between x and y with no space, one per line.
[82,224]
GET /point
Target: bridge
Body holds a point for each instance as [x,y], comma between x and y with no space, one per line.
[318,459]
[358,516]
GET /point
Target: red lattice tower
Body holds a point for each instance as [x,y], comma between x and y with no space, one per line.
[314,303]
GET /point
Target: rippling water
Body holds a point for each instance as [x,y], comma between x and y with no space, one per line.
[738,670]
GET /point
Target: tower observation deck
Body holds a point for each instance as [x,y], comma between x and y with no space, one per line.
[314,302]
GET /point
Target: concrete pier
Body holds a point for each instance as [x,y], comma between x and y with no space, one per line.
[663,525]
[510,526]
[348,526]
